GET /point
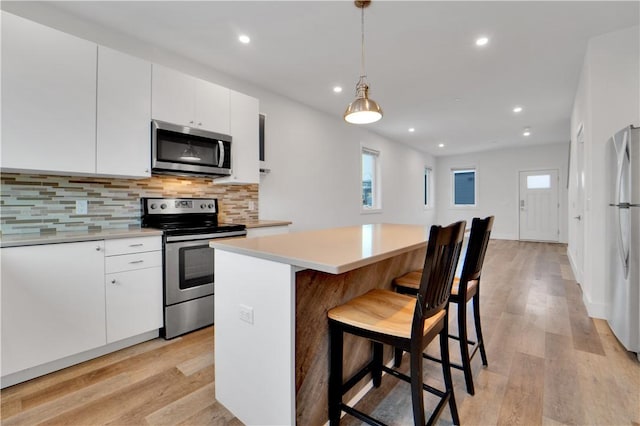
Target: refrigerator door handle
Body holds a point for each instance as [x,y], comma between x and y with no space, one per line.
[622,205]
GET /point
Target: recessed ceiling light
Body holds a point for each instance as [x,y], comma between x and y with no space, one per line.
[411,129]
[517,109]
[337,89]
[244,39]
[482,41]
[440,145]
[527,132]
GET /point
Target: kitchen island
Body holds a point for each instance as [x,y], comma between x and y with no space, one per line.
[272,295]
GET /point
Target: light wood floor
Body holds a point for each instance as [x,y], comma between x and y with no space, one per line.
[549,363]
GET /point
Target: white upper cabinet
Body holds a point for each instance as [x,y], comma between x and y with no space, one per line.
[124,115]
[48,99]
[182,99]
[211,107]
[244,128]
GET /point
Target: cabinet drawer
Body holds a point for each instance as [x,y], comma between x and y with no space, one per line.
[129,262]
[132,245]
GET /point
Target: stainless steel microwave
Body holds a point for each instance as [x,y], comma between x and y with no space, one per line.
[188,151]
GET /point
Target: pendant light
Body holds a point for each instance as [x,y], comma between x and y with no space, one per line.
[362,110]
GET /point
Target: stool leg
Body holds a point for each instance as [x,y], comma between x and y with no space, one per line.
[376,372]
[416,386]
[464,346]
[335,374]
[446,371]
[476,320]
[397,358]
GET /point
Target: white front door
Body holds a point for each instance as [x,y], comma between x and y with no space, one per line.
[539,206]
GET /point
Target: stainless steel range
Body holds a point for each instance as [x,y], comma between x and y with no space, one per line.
[188,225]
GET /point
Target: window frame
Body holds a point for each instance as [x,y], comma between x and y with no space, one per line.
[376,185]
[453,172]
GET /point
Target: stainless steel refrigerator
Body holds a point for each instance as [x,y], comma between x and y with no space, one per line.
[623,237]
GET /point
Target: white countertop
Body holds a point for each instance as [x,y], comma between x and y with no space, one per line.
[17,240]
[335,250]
[266,223]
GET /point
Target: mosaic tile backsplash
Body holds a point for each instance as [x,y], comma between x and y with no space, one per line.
[46,204]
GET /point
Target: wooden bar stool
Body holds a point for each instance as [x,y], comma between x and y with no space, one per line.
[407,322]
[465,288]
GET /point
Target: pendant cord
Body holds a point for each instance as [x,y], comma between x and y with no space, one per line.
[362,72]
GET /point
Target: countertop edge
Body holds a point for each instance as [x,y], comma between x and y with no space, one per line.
[21,240]
[339,269]
[267,223]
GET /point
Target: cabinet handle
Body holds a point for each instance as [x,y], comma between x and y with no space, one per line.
[199,124]
[146,170]
[113,281]
[191,122]
[137,261]
[98,248]
[136,245]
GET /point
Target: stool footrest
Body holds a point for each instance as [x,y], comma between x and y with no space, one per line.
[401,376]
[441,404]
[469,342]
[361,416]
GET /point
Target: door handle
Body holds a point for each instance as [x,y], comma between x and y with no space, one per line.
[521,204]
[578,217]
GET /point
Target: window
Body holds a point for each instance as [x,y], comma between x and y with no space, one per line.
[539,182]
[464,187]
[370,179]
[427,186]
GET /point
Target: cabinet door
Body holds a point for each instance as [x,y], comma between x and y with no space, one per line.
[211,107]
[124,115]
[52,299]
[172,96]
[48,99]
[134,303]
[244,128]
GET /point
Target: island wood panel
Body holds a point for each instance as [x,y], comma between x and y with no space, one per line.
[316,293]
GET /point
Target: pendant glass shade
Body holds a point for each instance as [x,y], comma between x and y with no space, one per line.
[362,110]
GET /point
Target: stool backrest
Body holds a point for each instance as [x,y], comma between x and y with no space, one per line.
[443,252]
[476,249]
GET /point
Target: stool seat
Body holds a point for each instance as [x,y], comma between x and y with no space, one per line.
[383,311]
[411,280]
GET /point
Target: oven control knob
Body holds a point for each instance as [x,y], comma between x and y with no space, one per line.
[202,206]
[153,206]
[163,206]
[210,206]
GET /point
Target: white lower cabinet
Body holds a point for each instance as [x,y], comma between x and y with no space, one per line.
[53,302]
[134,302]
[59,300]
[133,286]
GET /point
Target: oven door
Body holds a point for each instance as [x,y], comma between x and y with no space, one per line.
[188,270]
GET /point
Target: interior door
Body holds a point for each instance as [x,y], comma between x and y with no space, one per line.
[539,207]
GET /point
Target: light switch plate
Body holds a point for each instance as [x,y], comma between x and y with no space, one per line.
[246,314]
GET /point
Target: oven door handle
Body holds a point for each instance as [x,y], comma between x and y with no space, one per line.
[204,237]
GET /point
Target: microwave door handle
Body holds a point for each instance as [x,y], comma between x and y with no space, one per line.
[220,153]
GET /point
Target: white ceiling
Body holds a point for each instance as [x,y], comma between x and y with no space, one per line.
[422,63]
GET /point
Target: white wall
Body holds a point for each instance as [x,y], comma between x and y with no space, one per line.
[607,99]
[314,157]
[497,174]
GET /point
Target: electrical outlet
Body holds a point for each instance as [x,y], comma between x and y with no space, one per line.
[81,206]
[246,314]
[252,206]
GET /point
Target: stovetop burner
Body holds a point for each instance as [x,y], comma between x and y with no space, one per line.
[184,216]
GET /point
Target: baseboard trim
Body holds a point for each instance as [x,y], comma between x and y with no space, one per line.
[595,310]
[59,364]
[576,273]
